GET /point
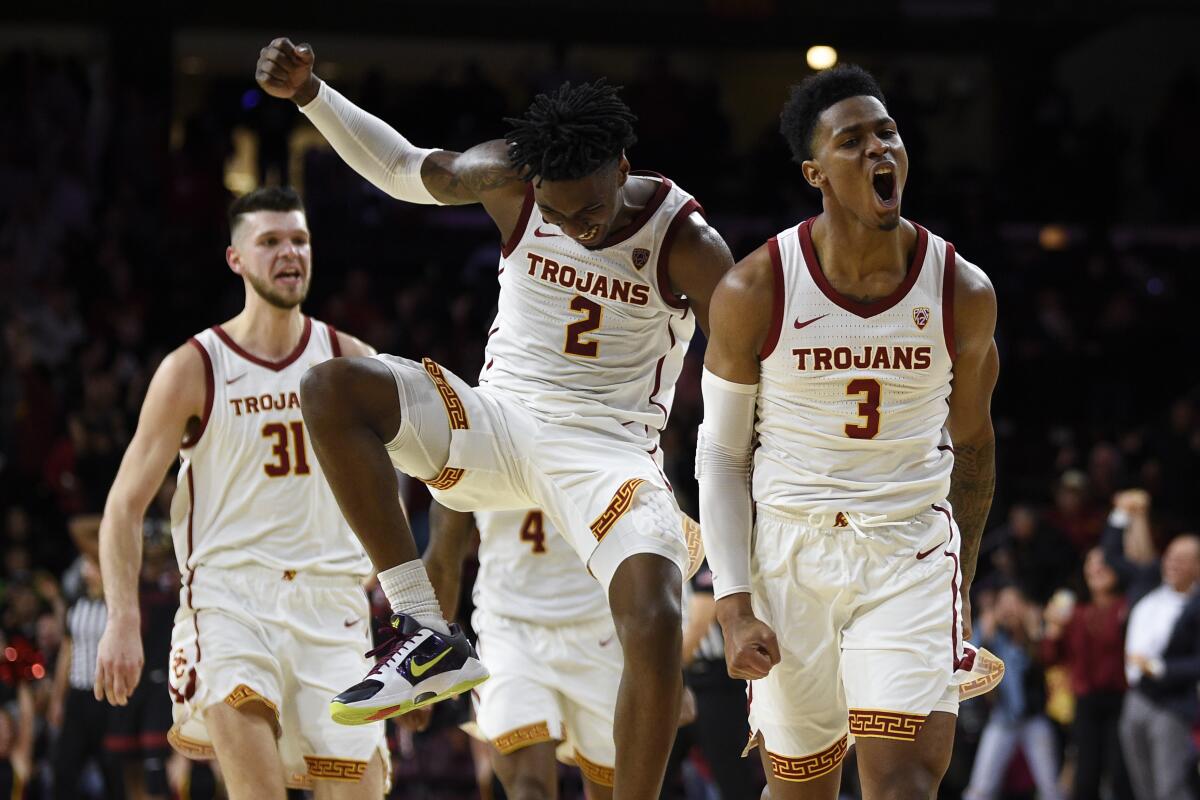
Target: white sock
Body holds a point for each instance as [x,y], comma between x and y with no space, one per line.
[409,591]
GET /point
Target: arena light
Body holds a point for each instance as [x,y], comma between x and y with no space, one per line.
[821,56]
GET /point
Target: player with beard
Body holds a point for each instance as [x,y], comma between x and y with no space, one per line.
[272,611]
[603,276]
[851,364]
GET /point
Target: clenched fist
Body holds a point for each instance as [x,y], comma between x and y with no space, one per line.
[285,70]
[751,649]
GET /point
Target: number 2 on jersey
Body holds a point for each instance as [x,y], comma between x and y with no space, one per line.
[593,312]
[532,530]
[868,408]
[283,459]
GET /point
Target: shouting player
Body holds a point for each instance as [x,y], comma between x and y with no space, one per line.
[273,611]
[580,371]
[856,351]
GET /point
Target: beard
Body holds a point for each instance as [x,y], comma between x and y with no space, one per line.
[267,292]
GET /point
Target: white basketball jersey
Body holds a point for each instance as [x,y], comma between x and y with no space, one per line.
[250,488]
[592,333]
[528,571]
[853,396]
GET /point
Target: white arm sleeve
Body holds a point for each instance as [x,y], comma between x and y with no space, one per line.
[723,453]
[372,147]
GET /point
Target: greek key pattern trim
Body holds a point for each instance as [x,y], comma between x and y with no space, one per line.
[514,740]
[243,694]
[806,768]
[620,504]
[596,773]
[872,723]
[456,413]
[335,769]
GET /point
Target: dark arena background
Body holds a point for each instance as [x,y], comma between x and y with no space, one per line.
[1054,142]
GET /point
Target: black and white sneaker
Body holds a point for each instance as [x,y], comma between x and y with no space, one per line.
[417,666]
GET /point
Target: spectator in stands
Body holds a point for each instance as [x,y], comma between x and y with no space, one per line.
[1162,665]
[1018,718]
[1088,638]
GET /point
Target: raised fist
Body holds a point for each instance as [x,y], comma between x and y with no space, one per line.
[285,70]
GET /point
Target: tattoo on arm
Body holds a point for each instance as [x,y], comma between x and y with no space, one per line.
[971,486]
[459,178]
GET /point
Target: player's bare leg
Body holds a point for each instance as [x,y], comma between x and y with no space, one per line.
[530,773]
[244,739]
[370,785]
[351,411]
[823,788]
[596,791]
[645,595]
[895,770]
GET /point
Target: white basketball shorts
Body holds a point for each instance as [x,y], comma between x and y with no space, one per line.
[869,628]
[287,640]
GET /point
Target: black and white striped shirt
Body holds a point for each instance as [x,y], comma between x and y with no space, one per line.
[85,625]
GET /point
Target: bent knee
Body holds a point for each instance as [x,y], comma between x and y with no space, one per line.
[913,781]
[350,390]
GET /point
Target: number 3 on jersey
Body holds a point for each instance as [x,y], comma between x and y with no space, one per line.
[533,530]
[283,460]
[871,392]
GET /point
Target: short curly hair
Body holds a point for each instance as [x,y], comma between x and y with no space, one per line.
[816,93]
[571,132]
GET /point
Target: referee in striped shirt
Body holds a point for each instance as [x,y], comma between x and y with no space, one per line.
[81,719]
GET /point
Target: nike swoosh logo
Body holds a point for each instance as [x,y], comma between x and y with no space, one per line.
[930,550]
[541,235]
[350,623]
[235,380]
[800,324]
[420,669]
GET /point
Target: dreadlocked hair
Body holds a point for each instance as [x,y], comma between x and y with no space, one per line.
[571,132]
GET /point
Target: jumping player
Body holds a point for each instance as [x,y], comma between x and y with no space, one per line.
[856,350]
[272,611]
[580,370]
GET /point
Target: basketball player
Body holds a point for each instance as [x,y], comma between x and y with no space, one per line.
[272,610]
[866,386]
[578,381]
[547,637]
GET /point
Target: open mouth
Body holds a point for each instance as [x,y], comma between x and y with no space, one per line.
[884,183]
[590,234]
[290,276]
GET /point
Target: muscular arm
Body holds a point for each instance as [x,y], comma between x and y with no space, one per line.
[382,155]
[697,261]
[175,396]
[970,420]
[449,542]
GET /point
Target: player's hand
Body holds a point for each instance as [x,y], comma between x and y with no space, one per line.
[1134,502]
[751,649]
[416,720]
[285,70]
[119,661]
[967,629]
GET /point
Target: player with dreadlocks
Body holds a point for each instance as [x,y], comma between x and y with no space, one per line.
[604,274]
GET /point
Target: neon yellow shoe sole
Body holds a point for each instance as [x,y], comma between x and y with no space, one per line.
[364,715]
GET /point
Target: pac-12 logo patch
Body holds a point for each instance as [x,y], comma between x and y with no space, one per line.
[640,256]
[921,316]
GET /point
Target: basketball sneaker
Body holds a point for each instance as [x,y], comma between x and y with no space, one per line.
[417,666]
[980,671]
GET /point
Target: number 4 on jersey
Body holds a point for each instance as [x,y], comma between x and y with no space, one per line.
[533,530]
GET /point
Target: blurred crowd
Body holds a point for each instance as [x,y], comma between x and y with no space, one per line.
[111,254]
